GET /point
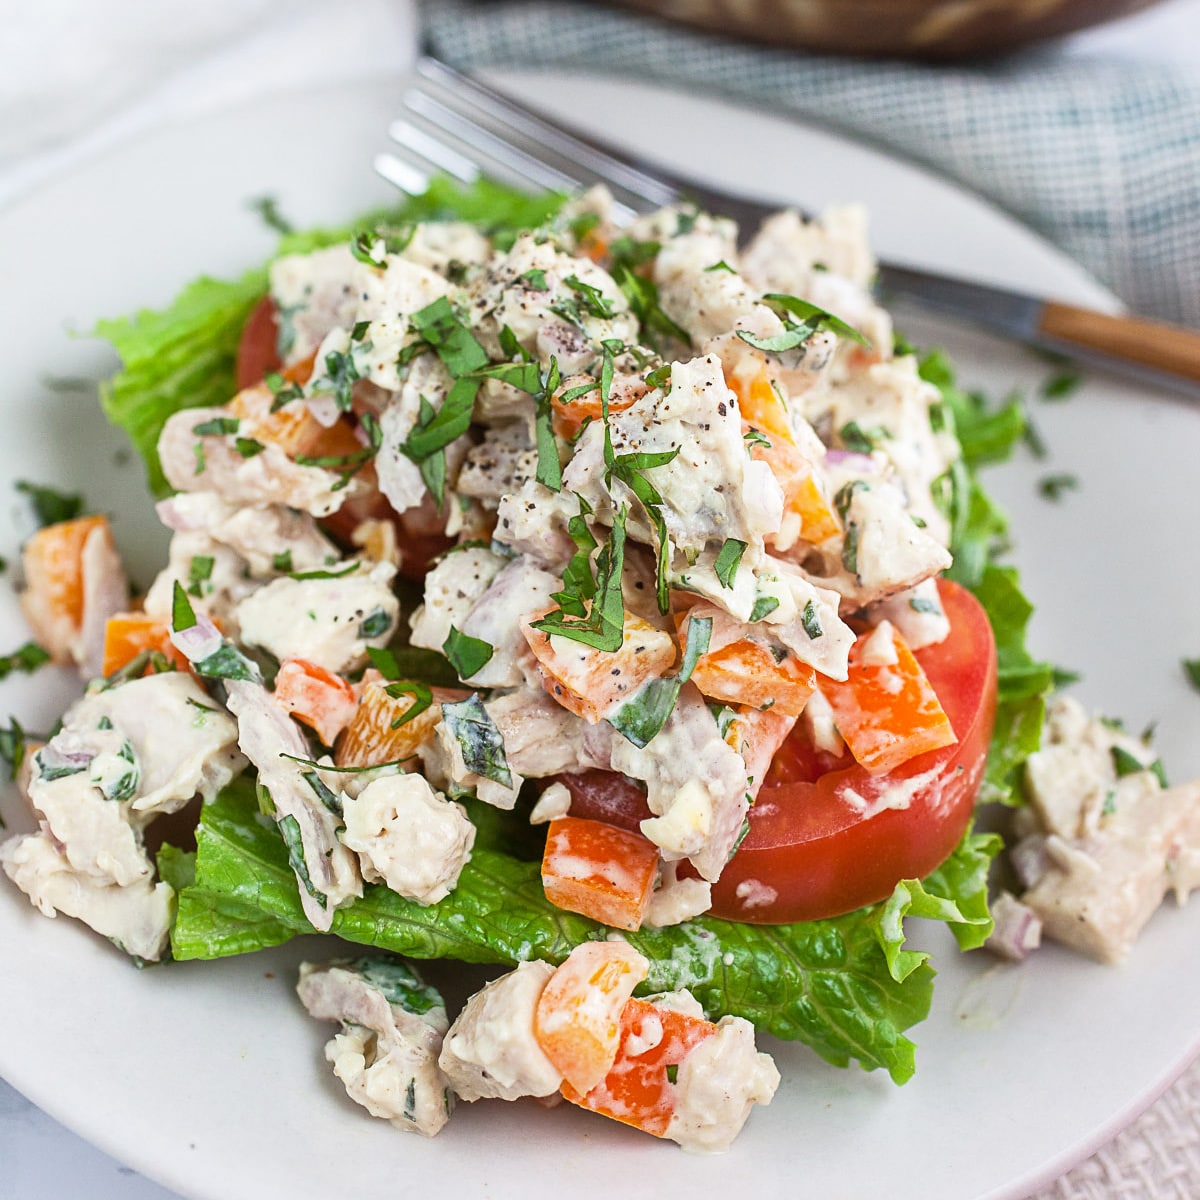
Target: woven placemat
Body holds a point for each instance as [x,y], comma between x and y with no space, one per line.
[1155,1158]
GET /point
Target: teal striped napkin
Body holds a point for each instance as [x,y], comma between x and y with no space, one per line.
[1102,158]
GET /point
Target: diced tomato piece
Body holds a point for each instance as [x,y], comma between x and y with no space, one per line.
[746,671]
[129,634]
[374,735]
[52,560]
[258,351]
[599,870]
[640,1089]
[886,711]
[590,682]
[320,699]
[578,1018]
[803,496]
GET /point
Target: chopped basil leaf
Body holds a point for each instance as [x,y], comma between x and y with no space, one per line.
[1125,763]
[535,280]
[122,784]
[723,715]
[435,429]
[1191,668]
[282,391]
[50,774]
[763,606]
[422,698]
[452,340]
[248,447]
[375,624]
[338,573]
[481,742]
[640,719]
[1052,487]
[364,247]
[282,562]
[328,798]
[811,622]
[602,625]
[659,378]
[289,827]
[201,463]
[844,496]
[200,573]
[12,746]
[721,265]
[267,207]
[341,373]
[1062,385]
[217,427]
[580,389]
[859,440]
[728,559]
[359,331]
[850,549]
[699,635]
[183,616]
[468,655]
[817,317]
[50,507]
[27,659]
[754,438]
[228,662]
[591,299]
[308,762]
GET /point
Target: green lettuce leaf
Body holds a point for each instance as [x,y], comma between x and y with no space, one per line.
[831,984]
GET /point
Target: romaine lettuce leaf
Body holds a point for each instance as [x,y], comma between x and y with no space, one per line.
[827,983]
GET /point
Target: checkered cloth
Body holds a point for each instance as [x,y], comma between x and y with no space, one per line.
[1103,158]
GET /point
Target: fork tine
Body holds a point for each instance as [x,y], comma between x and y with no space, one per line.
[510,127]
[433,150]
[483,143]
[404,175]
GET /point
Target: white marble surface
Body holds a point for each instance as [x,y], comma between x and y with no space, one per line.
[156,78]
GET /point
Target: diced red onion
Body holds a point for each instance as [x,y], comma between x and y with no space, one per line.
[862,464]
[1029,859]
[198,641]
[1018,928]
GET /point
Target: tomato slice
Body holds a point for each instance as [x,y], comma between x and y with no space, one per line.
[828,844]
[826,837]
[257,352]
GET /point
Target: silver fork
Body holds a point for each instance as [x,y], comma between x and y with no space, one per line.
[455,124]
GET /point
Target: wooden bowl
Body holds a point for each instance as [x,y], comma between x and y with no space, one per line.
[919,29]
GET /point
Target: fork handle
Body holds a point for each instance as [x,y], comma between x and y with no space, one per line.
[1151,343]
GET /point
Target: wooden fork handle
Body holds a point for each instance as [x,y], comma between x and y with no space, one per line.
[1150,343]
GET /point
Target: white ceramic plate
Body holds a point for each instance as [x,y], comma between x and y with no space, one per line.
[209,1078]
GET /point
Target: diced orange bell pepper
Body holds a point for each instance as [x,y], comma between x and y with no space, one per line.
[577,1021]
[762,410]
[292,428]
[373,735]
[52,602]
[596,869]
[569,416]
[127,635]
[886,711]
[640,1089]
[747,672]
[590,682]
[320,699]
